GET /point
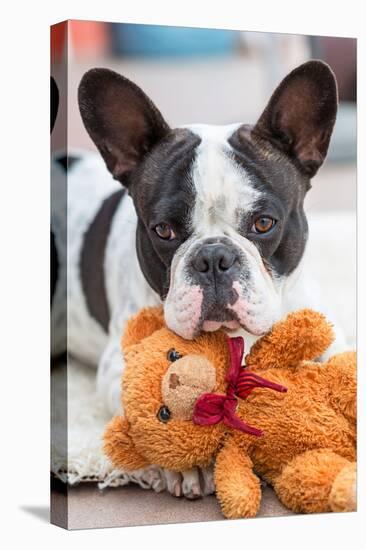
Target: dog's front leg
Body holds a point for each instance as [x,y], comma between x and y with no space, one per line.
[192,484]
[110,368]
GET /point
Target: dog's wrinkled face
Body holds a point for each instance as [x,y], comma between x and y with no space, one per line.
[221,224]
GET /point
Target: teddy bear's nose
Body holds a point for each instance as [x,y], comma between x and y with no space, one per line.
[184,381]
[174,381]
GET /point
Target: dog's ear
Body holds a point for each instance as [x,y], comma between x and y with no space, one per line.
[121,120]
[300,115]
[119,447]
[142,325]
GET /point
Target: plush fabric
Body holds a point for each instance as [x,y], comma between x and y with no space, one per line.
[211,408]
[307,447]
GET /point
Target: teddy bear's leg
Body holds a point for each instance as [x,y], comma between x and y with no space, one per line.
[237,488]
[306,482]
[342,497]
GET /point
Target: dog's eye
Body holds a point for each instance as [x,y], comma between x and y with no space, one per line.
[163,414]
[173,355]
[164,231]
[263,224]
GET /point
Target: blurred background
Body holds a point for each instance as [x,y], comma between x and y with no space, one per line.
[215,77]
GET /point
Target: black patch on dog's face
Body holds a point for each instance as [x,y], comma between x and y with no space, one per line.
[283,189]
[163,192]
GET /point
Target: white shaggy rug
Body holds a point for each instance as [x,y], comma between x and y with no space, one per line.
[331,259]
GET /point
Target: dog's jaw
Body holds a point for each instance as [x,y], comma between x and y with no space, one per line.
[182,310]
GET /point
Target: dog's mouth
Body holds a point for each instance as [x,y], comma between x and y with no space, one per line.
[240,314]
[218,317]
[231,317]
[212,326]
[190,314]
[230,326]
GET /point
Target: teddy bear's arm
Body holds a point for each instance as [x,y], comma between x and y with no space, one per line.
[303,335]
[342,383]
[237,487]
[119,447]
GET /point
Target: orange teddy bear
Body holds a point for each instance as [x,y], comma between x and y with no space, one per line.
[287,418]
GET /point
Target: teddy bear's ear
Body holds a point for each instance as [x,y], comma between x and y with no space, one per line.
[303,335]
[119,447]
[144,323]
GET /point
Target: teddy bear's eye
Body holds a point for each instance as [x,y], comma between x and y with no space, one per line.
[173,355]
[163,414]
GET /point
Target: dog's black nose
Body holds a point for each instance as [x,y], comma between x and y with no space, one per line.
[214,259]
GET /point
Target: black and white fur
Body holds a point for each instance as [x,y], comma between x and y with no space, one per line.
[209,184]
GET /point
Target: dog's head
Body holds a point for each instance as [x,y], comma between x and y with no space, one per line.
[221,223]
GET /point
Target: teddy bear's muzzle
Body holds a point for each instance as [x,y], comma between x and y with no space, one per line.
[184,381]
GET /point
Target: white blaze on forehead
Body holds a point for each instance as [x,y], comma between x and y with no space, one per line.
[222,186]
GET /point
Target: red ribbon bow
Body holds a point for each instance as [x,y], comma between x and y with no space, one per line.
[212,408]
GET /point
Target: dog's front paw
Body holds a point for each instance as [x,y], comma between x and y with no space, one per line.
[151,477]
[192,484]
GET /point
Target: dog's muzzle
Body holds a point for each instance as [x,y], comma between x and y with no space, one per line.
[219,282]
[215,264]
